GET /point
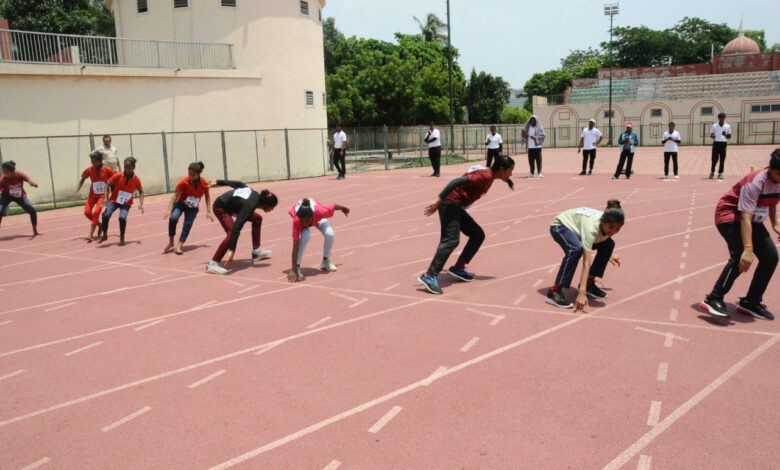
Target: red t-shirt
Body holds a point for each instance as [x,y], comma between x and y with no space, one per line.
[98,178]
[190,192]
[480,180]
[321,211]
[124,188]
[755,193]
[14,186]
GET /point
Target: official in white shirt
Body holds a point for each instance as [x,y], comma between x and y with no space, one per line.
[495,145]
[433,139]
[670,139]
[340,151]
[720,133]
[533,133]
[590,139]
[110,155]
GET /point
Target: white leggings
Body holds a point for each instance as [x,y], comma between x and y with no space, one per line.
[327,232]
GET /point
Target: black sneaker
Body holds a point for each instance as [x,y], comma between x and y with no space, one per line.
[712,174]
[558,299]
[461,274]
[582,172]
[756,310]
[590,172]
[714,306]
[594,291]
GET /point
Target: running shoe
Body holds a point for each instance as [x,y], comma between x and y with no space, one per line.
[666,177]
[720,176]
[461,274]
[614,177]
[712,175]
[215,268]
[582,172]
[327,265]
[530,175]
[594,291]
[754,309]
[676,177]
[541,175]
[430,283]
[258,254]
[558,299]
[714,306]
[590,172]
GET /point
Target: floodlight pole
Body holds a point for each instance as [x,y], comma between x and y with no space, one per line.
[452,104]
[611,10]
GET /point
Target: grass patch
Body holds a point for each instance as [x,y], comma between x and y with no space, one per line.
[15,210]
[454,159]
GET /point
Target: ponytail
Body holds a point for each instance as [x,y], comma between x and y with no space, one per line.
[10,165]
[305,211]
[774,161]
[613,213]
[197,167]
[268,199]
[504,162]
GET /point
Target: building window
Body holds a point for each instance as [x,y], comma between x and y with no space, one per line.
[655,112]
[309,98]
[764,108]
[304,7]
[324,100]
[706,110]
[180,3]
[776,107]
[608,114]
[142,6]
[228,3]
[756,108]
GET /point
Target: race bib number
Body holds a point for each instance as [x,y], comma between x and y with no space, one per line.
[760,215]
[192,202]
[476,168]
[586,211]
[15,191]
[123,197]
[243,193]
[99,187]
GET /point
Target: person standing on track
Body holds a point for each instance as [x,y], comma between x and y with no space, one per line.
[12,190]
[110,155]
[580,232]
[670,139]
[433,139]
[739,217]
[308,213]
[590,139]
[186,199]
[720,133]
[451,205]
[340,151]
[240,202]
[628,142]
[533,132]
[121,188]
[495,145]
[98,174]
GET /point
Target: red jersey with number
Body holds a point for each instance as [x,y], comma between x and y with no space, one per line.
[480,180]
[124,188]
[99,179]
[190,192]
[14,186]
[755,193]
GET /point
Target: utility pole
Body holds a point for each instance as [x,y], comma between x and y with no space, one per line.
[452,102]
[610,9]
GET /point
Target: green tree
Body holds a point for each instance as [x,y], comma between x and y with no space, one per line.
[333,40]
[551,82]
[584,63]
[485,97]
[757,35]
[433,29]
[515,115]
[774,47]
[86,17]
[640,46]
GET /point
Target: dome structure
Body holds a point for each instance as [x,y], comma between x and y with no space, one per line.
[741,44]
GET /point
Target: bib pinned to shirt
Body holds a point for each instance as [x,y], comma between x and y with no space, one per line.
[586,211]
[15,191]
[123,197]
[99,187]
[760,215]
[192,202]
[243,193]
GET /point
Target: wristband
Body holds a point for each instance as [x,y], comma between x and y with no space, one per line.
[748,246]
[583,291]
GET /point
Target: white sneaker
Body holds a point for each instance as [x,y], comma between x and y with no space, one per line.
[676,177]
[259,254]
[215,268]
[541,175]
[300,273]
[530,175]
[666,177]
[328,265]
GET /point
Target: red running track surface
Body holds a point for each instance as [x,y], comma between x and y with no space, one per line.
[122,357]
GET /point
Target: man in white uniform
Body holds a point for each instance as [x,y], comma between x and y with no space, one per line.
[720,133]
[109,153]
[495,144]
[590,139]
[433,139]
[340,151]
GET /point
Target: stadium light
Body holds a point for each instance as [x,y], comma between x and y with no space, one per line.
[611,10]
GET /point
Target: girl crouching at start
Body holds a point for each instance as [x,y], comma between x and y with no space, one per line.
[310,213]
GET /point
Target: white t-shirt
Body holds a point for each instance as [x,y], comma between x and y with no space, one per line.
[590,137]
[110,157]
[531,142]
[434,140]
[717,129]
[671,141]
[338,139]
[494,140]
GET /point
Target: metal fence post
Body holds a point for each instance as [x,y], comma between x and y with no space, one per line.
[257,156]
[51,174]
[195,144]
[387,153]
[1,153]
[287,153]
[419,132]
[703,132]
[91,142]
[131,145]
[774,128]
[555,137]
[224,154]
[165,162]
[738,132]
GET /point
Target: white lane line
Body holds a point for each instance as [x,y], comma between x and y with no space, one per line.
[645,463]
[12,374]
[468,345]
[519,299]
[149,324]
[318,322]
[161,277]
[686,244]
[268,347]
[385,419]
[687,236]
[238,284]
[348,254]
[667,335]
[344,296]
[552,269]
[677,294]
[359,302]
[6,322]
[333,465]
[538,283]
[682,266]
[84,348]
[412,230]
[507,227]
[437,374]
[208,378]
[393,237]
[663,371]
[683,409]
[391,287]
[59,306]
[37,464]
[151,273]
[496,318]
[684,254]
[126,419]
[247,289]
[673,314]
[655,413]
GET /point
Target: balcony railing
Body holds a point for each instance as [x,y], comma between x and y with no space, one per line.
[47,48]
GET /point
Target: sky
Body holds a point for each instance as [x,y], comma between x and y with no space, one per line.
[517,38]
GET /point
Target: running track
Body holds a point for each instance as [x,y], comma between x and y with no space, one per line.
[126,358]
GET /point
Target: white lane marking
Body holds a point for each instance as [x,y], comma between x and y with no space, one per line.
[682,266]
[683,409]
[673,314]
[149,325]
[151,273]
[393,237]
[391,287]
[126,419]
[247,289]
[552,269]
[538,283]
[412,230]
[645,463]
[686,244]
[333,465]
[6,322]
[684,254]
[207,379]
[519,299]
[496,318]
[12,374]
[437,374]
[37,464]
[667,335]
[161,277]
[468,345]
[236,283]
[59,307]
[347,254]
[268,347]
[663,371]
[507,227]
[359,302]
[84,348]
[385,419]
[687,236]
[318,322]
[677,294]
[344,296]
[655,413]
[493,234]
